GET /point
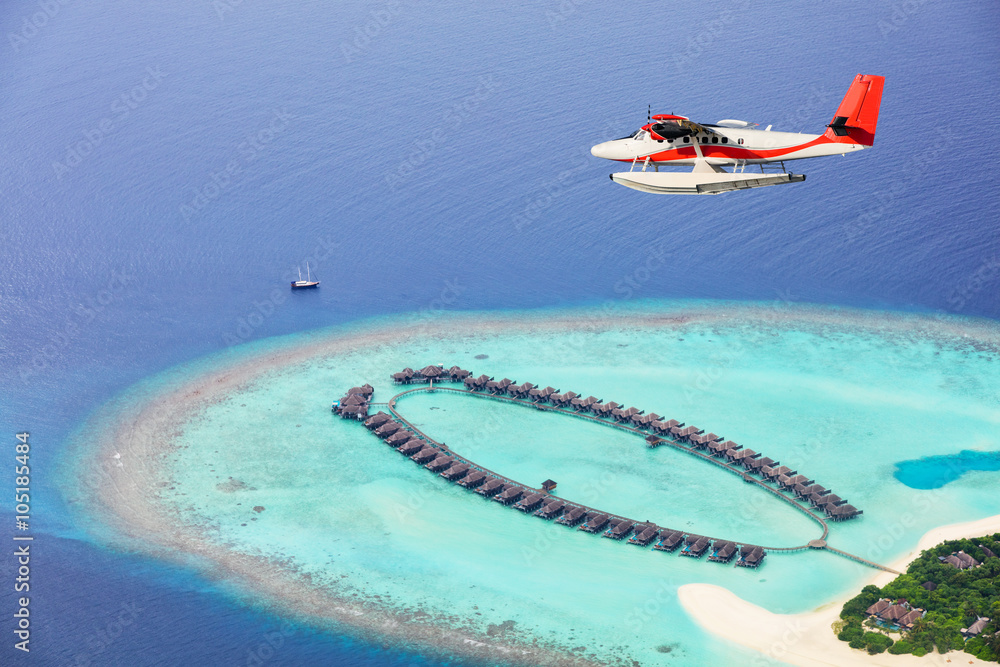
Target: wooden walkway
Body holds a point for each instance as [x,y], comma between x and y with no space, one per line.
[819,543]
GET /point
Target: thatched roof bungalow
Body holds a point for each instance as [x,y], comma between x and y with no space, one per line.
[404,376]
[473,479]
[584,404]
[491,488]
[573,516]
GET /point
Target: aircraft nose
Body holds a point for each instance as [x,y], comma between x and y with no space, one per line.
[604,150]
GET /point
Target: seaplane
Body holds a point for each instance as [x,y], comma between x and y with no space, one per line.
[712,148]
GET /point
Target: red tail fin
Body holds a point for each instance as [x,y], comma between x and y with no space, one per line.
[857,115]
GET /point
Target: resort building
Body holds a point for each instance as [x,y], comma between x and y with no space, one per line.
[898,615]
[977,627]
[961,560]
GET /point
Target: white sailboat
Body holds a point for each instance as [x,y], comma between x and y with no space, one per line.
[307,283]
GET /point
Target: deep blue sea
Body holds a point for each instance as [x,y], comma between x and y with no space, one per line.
[165,167]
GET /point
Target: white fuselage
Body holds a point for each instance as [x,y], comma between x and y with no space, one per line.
[722,146]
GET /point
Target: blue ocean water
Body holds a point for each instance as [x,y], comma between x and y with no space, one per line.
[426,158]
[933,472]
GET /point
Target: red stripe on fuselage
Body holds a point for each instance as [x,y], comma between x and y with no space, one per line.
[728,151]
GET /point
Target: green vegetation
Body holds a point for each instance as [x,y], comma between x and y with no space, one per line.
[959,598]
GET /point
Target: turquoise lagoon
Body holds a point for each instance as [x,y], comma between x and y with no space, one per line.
[933,472]
[840,395]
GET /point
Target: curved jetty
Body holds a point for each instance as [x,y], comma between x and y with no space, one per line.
[804,494]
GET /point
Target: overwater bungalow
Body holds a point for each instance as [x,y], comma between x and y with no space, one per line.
[686,432]
[669,540]
[573,516]
[595,523]
[411,447]
[828,500]
[644,534]
[740,456]
[705,440]
[456,472]
[499,387]
[695,546]
[787,482]
[757,464]
[404,376]
[722,551]
[619,529]
[359,412]
[777,471]
[645,421]
[530,502]
[605,409]
[624,416]
[428,373]
[476,384]
[520,390]
[491,488]
[842,512]
[551,509]
[816,499]
[542,395]
[398,438]
[441,462]
[388,429]
[584,404]
[663,427]
[352,399]
[378,419]
[564,400]
[510,495]
[720,447]
[806,491]
[751,556]
[425,455]
[457,374]
[365,390]
[473,479]
[653,441]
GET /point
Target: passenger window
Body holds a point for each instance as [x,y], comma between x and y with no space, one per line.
[715,140]
[741,142]
[687,140]
[725,140]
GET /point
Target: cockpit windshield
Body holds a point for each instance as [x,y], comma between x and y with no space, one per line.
[638,134]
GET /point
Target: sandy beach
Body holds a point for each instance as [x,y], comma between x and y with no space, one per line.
[120,487]
[807,639]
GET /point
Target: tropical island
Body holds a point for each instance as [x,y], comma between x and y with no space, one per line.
[948,599]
